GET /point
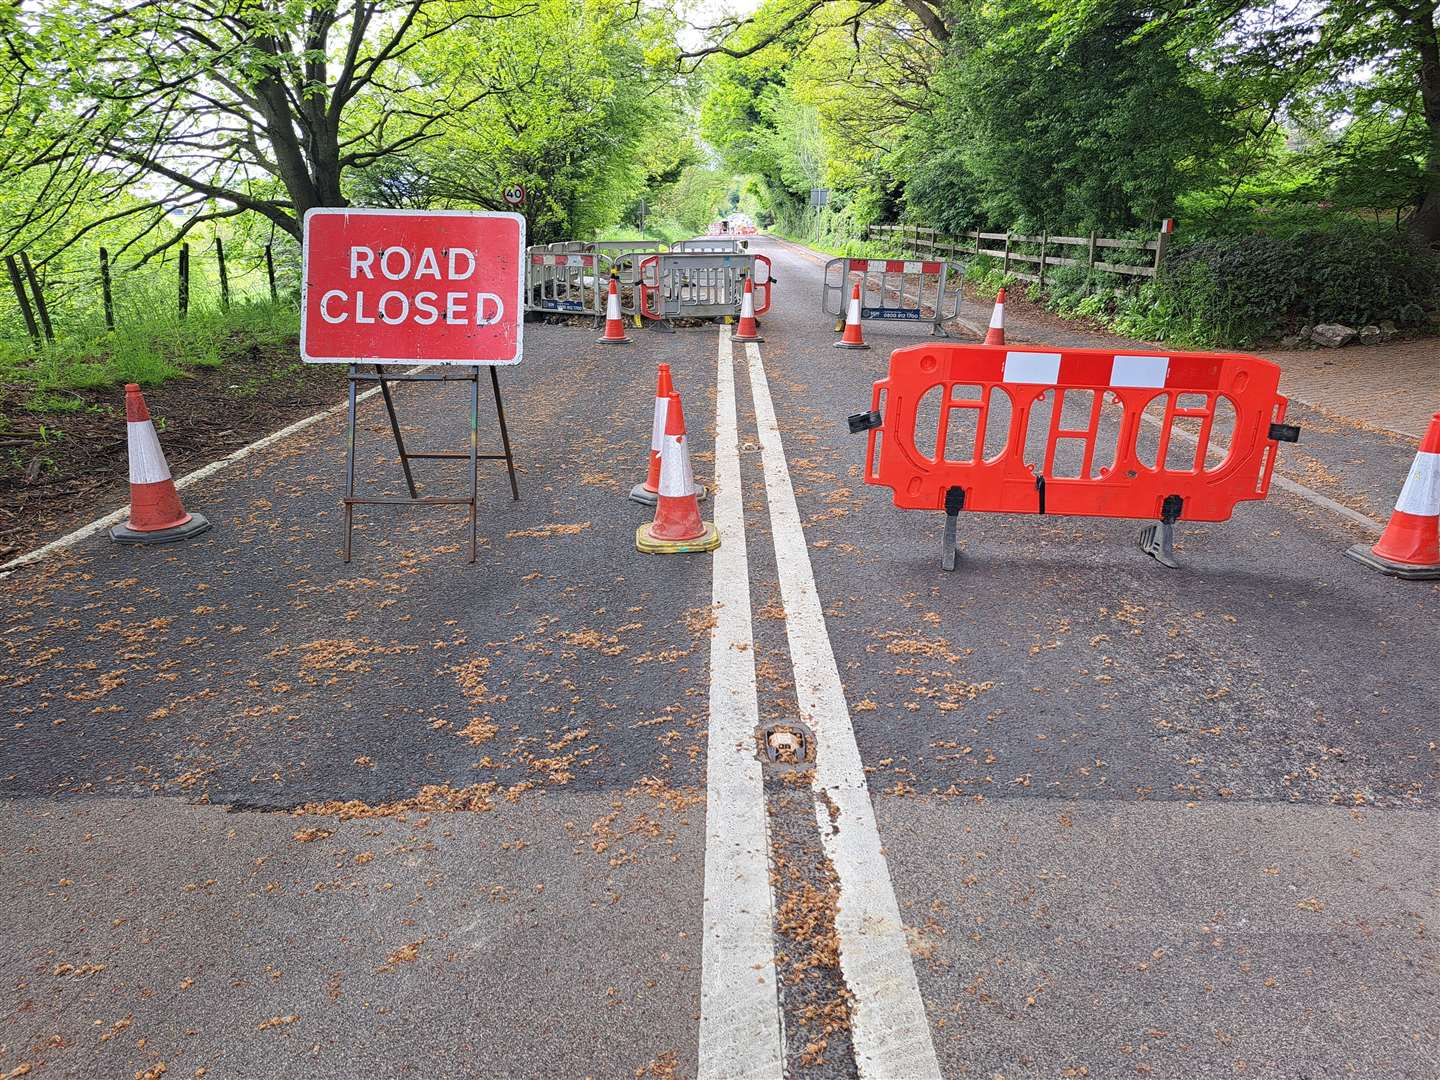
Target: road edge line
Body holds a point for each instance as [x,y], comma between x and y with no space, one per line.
[890,1031]
[740,1020]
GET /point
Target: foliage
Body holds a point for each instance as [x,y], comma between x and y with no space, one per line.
[1240,290]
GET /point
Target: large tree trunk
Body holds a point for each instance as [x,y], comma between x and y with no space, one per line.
[1424,224]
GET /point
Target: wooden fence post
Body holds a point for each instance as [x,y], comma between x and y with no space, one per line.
[224,278]
[270,271]
[38,293]
[184,294]
[21,298]
[1006,266]
[1044,242]
[1160,243]
[1090,260]
[977,243]
[105,289]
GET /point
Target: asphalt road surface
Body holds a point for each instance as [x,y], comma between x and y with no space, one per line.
[1069,813]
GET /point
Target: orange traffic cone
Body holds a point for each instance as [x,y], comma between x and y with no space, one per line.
[156,515]
[749,329]
[853,338]
[996,334]
[1410,545]
[647,492]
[677,526]
[614,321]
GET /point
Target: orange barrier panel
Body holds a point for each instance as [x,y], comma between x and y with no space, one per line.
[1064,431]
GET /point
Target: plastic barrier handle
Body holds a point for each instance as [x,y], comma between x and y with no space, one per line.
[644,288]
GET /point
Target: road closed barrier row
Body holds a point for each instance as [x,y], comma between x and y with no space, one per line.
[1178,436]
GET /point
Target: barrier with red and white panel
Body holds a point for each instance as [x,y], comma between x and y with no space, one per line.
[1064,431]
[908,290]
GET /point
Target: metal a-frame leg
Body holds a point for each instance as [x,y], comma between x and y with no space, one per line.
[395,427]
[504,434]
[350,463]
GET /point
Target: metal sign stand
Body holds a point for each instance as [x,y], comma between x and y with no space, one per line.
[470,375]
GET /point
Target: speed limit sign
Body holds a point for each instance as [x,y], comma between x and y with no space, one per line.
[514,194]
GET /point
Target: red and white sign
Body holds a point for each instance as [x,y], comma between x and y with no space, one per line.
[412,287]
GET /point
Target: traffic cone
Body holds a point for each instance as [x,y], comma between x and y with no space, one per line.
[156,516]
[646,493]
[749,329]
[853,338]
[677,526]
[996,334]
[614,321]
[1410,545]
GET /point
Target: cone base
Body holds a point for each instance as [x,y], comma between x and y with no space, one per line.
[708,540]
[613,341]
[645,497]
[194,525]
[849,345]
[746,337]
[1413,571]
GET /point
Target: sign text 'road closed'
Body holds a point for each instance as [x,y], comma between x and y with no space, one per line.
[412,287]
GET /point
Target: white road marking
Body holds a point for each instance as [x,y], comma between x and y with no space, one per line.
[890,1032]
[740,1026]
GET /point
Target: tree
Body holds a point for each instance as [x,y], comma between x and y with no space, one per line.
[220,108]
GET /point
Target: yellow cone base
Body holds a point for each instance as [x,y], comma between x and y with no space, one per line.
[709,540]
[1361,553]
[644,497]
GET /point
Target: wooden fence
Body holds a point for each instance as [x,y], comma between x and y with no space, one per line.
[922,243]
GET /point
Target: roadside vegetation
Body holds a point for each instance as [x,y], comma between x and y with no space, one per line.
[1298,148]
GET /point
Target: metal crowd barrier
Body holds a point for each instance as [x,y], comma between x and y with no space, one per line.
[898,289]
[711,244]
[678,285]
[567,282]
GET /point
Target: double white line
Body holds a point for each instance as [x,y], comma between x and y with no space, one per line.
[740,1021]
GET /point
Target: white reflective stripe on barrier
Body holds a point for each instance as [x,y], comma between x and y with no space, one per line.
[676,479]
[1139,371]
[1032,367]
[147,460]
[1421,494]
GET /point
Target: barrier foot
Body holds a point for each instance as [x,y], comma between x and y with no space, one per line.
[1158,541]
[954,503]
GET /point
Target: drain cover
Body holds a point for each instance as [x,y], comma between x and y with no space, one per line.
[787,744]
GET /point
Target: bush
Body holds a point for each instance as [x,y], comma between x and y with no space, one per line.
[1237,291]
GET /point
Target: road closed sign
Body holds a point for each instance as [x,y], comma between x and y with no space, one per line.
[412,287]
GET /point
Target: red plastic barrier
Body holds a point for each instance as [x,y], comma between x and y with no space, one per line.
[987,398]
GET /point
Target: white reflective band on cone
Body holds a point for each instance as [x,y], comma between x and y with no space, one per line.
[612,307]
[997,317]
[1421,494]
[854,315]
[676,480]
[657,429]
[147,461]
[747,305]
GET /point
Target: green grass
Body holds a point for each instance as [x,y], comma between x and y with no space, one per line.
[149,344]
